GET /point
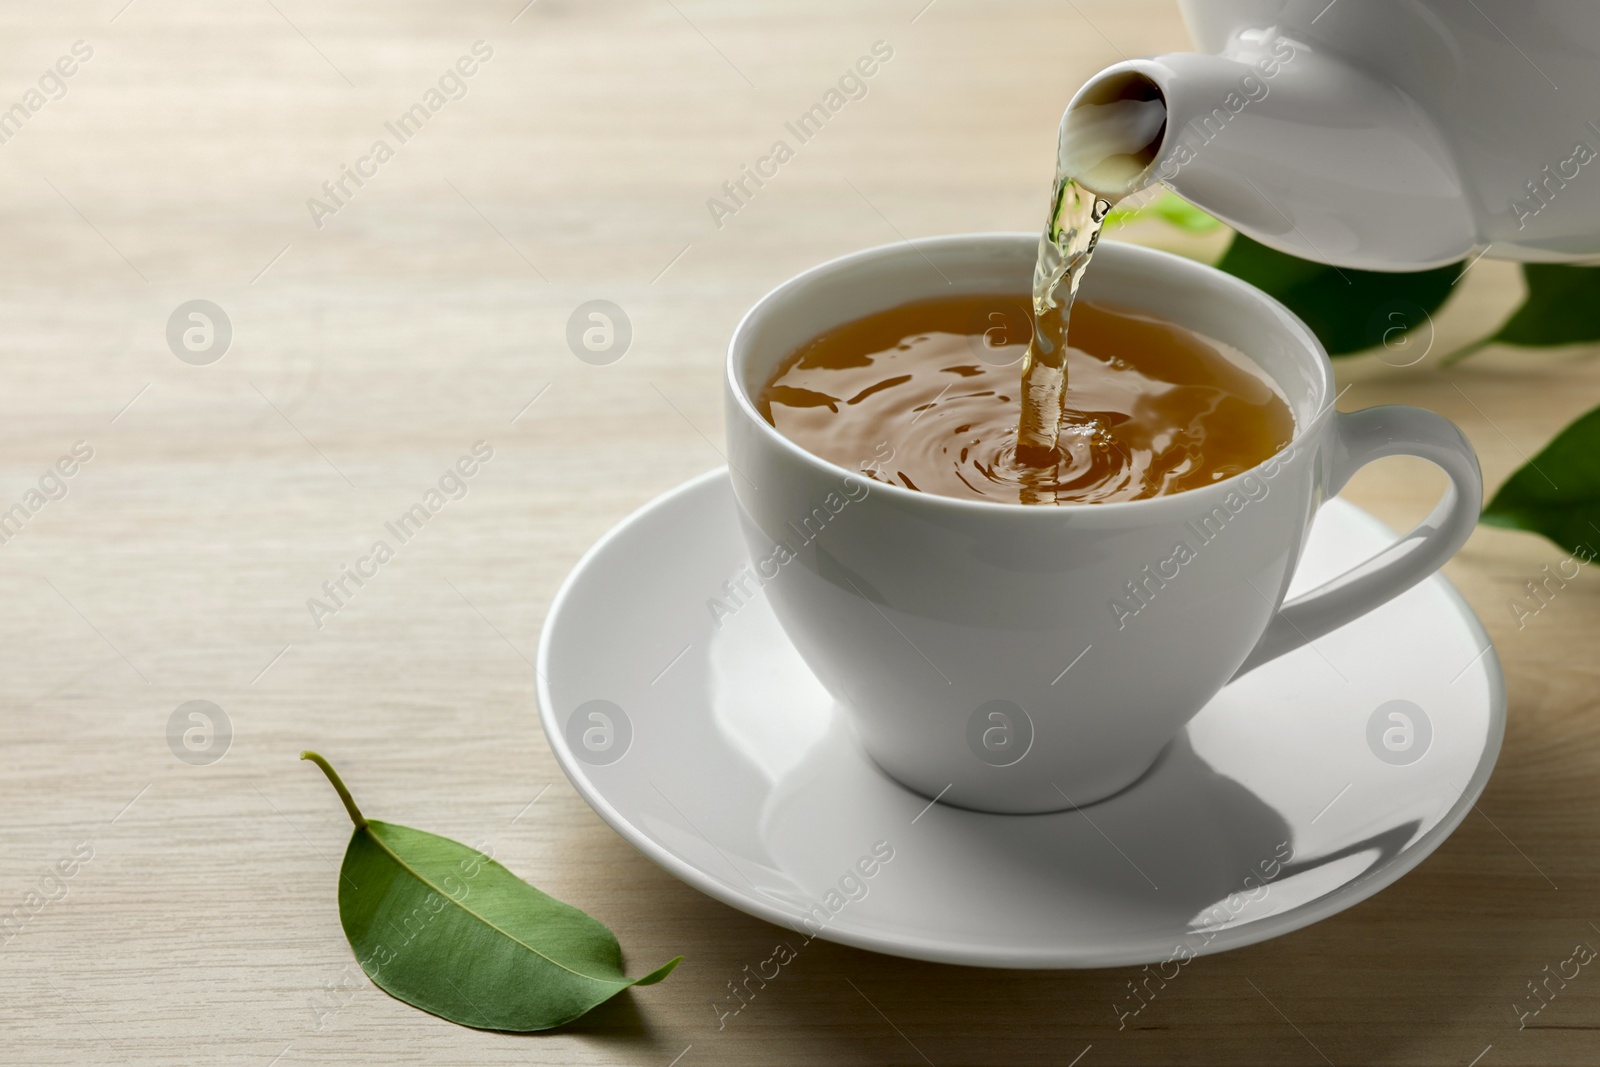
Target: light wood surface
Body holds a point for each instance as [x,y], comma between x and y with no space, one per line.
[423,316]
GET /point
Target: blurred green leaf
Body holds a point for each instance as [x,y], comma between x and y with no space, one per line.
[1557,493]
[1349,310]
[1563,307]
[1171,207]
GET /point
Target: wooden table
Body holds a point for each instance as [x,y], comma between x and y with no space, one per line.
[427,312]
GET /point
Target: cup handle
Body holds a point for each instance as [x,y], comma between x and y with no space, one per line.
[1358,439]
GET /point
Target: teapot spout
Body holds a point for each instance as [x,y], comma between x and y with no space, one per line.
[1296,148]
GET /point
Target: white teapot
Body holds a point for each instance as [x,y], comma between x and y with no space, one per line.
[1378,134]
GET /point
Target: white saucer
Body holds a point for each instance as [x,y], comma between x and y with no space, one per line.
[730,766]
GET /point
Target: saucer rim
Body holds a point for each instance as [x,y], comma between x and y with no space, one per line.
[1133,953]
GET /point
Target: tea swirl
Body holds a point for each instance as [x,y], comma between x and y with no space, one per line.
[925,396]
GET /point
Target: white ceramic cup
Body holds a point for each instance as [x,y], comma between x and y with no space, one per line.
[1029,658]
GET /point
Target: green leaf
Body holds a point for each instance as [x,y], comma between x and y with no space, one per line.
[1172,207]
[1563,307]
[1182,214]
[1557,493]
[447,929]
[1349,310]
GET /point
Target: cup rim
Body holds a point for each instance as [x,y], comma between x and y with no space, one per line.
[1292,325]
